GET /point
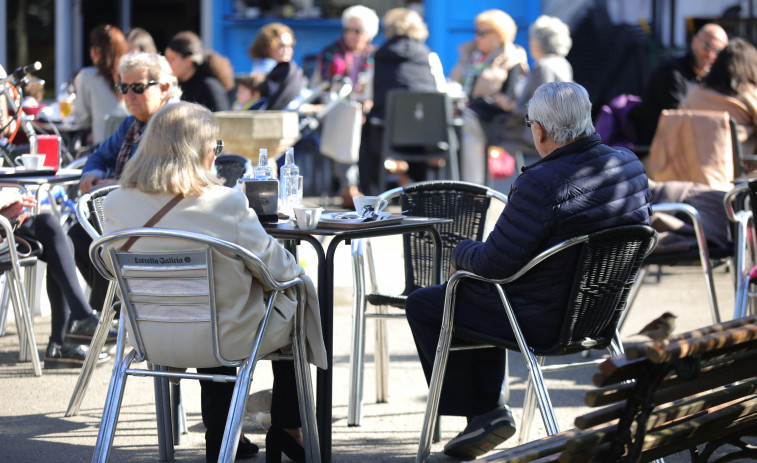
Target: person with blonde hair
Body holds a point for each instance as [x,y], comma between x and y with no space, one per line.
[401,63]
[486,66]
[175,158]
[96,95]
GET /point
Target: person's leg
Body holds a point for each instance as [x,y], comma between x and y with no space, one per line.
[472,149]
[285,434]
[96,282]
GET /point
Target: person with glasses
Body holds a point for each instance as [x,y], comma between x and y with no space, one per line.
[96,95]
[146,83]
[578,186]
[175,157]
[671,81]
[488,65]
[204,78]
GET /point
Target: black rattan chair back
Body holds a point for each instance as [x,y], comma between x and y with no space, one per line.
[466,203]
[95,200]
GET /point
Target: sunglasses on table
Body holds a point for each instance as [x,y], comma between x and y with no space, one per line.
[137,87]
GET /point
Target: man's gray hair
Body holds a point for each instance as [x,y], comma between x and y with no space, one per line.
[551,34]
[157,69]
[563,110]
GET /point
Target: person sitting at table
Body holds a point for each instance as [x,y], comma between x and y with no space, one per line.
[147,83]
[175,158]
[72,320]
[579,186]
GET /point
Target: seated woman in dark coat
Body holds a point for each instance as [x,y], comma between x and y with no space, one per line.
[578,186]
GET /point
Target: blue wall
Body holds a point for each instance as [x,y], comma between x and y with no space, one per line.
[450,24]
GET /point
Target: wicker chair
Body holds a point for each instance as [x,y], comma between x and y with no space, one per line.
[467,204]
[605,270]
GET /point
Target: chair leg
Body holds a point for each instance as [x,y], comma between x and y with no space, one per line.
[305,397]
[24,320]
[98,341]
[163,417]
[357,353]
[178,414]
[236,411]
[112,408]
[4,300]
[533,365]
[381,346]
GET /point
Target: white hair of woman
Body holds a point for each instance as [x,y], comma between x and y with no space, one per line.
[367,16]
[563,109]
[157,69]
[551,35]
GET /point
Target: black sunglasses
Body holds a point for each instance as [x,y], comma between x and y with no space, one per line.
[137,87]
[219,147]
[529,122]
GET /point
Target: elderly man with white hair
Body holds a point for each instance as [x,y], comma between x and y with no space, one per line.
[579,186]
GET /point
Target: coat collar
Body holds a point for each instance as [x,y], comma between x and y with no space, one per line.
[579,146]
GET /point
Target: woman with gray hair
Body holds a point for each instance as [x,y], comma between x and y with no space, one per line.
[147,84]
[579,186]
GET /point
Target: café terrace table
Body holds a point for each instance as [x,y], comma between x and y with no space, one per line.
[292,235]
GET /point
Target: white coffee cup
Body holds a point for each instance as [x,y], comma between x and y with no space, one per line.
[362,201]
[31,161]
[307,216]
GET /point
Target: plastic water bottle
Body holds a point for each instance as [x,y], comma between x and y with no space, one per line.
[290,194]
[263,171]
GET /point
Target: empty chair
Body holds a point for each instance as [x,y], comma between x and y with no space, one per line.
[169,301]
[467,204]
[419,127]
[606,265]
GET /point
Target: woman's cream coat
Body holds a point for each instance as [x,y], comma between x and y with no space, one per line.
[224,213]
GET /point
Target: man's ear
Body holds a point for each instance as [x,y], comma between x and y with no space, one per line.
[540,135]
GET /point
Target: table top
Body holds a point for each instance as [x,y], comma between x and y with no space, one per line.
[61,176]
[289,229]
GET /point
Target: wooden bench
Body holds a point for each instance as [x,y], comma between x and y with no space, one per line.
[662,398]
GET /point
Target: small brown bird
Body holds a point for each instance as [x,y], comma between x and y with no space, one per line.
[660,328]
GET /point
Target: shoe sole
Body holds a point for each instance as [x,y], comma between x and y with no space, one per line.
[481,441]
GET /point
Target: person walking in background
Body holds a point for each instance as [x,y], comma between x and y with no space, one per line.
[489,64]
[401,63]
[96,95]
[199,73]
[579,186]
[671,81]
[138,39]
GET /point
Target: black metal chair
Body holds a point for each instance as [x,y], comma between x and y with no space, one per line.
[419,127]
[606,267]
[466,203]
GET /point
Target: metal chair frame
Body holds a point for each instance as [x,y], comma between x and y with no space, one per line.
[739,207]
[140,267]
[362,256]
[639,241]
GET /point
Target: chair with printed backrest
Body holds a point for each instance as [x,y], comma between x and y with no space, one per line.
[89,213]
[418,127]
[468,205]
[169,304]
[16,293]
[606,264]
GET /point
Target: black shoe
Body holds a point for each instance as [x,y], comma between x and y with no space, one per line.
[68,355]
[483,433]
[245,449]
[81,331]
[277,441]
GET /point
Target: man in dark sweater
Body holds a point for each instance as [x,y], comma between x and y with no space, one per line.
[579,186]
[670,82]
[187,58]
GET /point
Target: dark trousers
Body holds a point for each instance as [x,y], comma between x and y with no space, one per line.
[473,379]
[216,398]
[96,282]
[66,296]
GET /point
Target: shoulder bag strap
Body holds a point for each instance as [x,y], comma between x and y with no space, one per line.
[153,220]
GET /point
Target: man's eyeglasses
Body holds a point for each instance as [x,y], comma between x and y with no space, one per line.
[529,122]
[137,87]
[219,147]
[347,30]
[709,46]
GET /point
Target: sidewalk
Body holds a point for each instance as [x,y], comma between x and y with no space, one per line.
[33,428]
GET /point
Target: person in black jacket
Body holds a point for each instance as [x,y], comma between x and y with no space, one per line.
[401,63]
[579,186]
[200,74]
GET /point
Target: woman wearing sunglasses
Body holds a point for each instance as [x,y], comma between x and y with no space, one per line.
[146,83]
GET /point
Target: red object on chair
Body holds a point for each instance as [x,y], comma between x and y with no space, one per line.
[49,145]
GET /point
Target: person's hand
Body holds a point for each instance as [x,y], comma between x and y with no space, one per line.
[90,181]
[17,205]
[504,102]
